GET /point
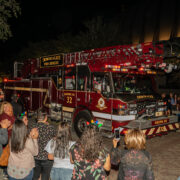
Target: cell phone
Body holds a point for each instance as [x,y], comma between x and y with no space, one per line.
[117,134]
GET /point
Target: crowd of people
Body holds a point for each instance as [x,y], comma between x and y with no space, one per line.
[43,151]
[172,101]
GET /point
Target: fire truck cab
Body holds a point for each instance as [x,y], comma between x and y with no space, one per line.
[111,87]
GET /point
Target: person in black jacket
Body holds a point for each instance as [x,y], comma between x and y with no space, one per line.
[17,107]
[167,100]
[46,132]
[134,161]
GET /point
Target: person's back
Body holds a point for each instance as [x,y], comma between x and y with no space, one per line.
[17,108]
[135,164]
[89,158]
[58,149]
[23,148]
[3,133]
[63,162]
[164,97]
[85,169]
[46,133]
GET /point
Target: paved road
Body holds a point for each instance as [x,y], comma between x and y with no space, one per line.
[165,152]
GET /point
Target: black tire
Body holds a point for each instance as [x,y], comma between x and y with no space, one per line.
[80,122]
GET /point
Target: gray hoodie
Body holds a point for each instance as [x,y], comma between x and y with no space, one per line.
[3,138]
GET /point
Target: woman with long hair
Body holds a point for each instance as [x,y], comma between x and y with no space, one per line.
[6,112]
[23,148]
[90,159]
[134,161]
[58,149]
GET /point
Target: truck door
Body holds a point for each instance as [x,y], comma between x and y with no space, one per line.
[83,86]
[69,94]
[56,96]
[101,99]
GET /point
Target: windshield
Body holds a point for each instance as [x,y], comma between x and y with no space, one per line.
[133,84]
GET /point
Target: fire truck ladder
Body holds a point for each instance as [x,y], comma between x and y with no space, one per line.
[141,55]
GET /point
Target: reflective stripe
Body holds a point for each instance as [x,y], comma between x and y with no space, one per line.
[26,89]
[113,117]
[68,109]
[170,126]
[177,125]
[151,131]
[160,129]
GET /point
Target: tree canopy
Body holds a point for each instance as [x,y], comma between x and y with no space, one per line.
[8,9]
[95,34]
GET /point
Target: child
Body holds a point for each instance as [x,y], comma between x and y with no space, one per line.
[58,149]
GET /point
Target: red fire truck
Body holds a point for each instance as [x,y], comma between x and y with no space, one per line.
[112,87]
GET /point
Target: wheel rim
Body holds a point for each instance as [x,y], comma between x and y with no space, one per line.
[82,124]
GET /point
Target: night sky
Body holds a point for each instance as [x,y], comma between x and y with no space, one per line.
[43,20]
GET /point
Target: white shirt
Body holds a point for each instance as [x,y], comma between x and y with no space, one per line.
[58,162]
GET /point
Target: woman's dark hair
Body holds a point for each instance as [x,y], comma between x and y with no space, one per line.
[18,136]
[91,144]
[41,114]
[62,140]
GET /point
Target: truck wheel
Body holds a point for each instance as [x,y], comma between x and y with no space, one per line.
[80,122]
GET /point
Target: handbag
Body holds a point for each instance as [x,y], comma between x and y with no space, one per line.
[5,156]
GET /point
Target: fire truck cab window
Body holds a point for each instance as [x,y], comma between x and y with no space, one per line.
[70,78]
[83,78]
[81,83]
[70,83]
[101,83]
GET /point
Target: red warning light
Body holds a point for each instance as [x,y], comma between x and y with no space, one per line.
[5,79]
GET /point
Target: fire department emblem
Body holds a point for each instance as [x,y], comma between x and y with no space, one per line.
[101,104]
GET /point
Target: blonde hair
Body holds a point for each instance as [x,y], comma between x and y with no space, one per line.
[4,103]
[135,139]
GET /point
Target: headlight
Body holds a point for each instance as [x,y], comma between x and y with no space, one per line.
[132,112]
[150,106]
[121,106]
[122,112]
[161,103]
[121,109]
[161,109]
[132,105]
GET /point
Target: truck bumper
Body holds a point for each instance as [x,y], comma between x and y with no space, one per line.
[161,129]
[152,127]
